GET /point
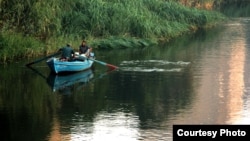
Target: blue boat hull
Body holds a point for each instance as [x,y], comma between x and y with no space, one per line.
[58,66]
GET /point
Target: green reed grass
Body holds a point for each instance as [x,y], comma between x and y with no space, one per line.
[115,42]
[14,45]
[44,26]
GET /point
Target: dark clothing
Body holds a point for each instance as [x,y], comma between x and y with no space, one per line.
[83,49]
[67,53]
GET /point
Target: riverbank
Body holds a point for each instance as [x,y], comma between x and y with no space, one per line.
[104,24]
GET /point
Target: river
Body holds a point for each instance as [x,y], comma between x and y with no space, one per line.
[197,79]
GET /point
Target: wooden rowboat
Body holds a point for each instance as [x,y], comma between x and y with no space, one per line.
[59,66]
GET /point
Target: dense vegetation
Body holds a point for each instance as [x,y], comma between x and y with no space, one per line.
[32,27]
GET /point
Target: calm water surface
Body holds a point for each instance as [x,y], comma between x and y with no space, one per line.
[200,79]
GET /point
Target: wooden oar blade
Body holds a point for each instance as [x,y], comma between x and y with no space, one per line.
[112,66]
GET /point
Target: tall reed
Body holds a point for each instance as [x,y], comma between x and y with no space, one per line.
[55,22]
[13,46]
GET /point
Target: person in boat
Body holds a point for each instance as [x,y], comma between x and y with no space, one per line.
[84,49]
[67,53]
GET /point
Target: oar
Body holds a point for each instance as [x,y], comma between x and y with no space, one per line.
[41,59]
[103,63]
[100,62]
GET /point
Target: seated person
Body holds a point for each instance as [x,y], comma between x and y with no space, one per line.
[84,49]
[67,53]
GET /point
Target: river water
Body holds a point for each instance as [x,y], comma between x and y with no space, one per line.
[198,79]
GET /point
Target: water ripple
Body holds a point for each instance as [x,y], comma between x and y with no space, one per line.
[153,66]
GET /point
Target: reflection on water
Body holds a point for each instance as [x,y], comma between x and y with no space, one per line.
[56,133]
[63,82]
[112,126]
[236,74]
[220,82]
[239,67]
[106,126]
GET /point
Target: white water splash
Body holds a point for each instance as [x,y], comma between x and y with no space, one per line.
[153,66]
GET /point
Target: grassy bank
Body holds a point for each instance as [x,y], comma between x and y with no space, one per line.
[106,24]
[15,45]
